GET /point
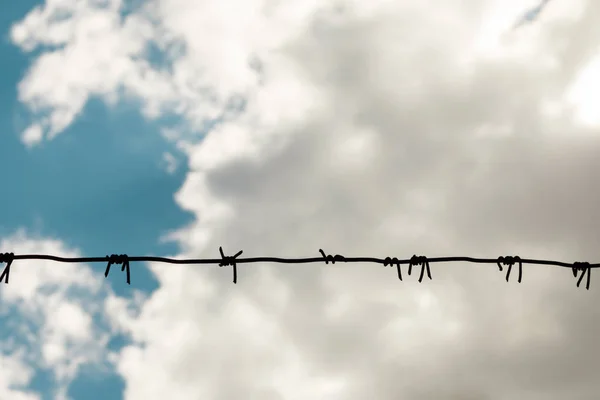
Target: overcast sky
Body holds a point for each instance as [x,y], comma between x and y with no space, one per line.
[365,128]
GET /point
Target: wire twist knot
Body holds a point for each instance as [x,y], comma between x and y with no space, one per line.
[230,260]
[391,261]
[584,267]
[510,261]
[423,262]
[7,258]
[331,258]
[122,259]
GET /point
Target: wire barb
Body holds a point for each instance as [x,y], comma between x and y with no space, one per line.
[391,261]
[584,267]
[122,259]
[510,261]
[8,259]
[423,262]
[230,261]
[333,259]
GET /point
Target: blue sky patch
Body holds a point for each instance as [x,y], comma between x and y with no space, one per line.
[100,186]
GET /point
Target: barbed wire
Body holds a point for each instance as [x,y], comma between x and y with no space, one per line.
[123,259]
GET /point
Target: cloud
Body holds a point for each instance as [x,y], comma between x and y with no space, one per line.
[169,162]
[14,375]
[461,156]
[56,317]
[84,57]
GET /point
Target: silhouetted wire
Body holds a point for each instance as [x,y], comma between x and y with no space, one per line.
[124,260]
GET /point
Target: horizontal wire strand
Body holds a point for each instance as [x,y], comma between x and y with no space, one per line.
[424,262]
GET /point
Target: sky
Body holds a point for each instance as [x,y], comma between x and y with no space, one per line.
[380,128]
[532,14]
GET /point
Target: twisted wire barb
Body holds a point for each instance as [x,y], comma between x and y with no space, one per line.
[582,267]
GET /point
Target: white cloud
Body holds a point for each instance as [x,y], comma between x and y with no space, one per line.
[15,374]
[585,93]
[463,157]
[87,58]
[60,309]
[32,135]
[170,162]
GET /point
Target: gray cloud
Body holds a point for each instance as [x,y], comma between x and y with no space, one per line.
[532,190]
